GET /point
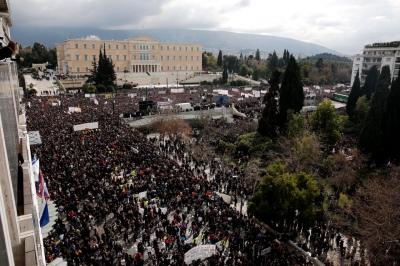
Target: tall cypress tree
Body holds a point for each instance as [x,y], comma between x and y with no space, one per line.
[268,123]
[291,92]
[391,123]
[219,60]
[371,136]
[258,55]
[355,93]
[370,82]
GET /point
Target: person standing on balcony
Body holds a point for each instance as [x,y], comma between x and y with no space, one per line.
[9,50]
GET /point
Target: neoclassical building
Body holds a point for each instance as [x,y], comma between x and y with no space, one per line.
[135,56]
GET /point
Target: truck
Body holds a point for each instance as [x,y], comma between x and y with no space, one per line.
[184,107]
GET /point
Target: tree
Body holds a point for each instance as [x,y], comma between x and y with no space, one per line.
[102,72]
[219,60]
[391,122]
[225,75]
[291,92]
[272,61]
[320,64]
[252,173]
[361,111]
[243,71]
[101,88]
[282,195]
[370,82]
[258,56]
[371,137]
[377,207]
[256,74]
[268,123]
[326,122]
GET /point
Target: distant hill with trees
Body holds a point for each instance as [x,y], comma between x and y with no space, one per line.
[328,56]
[211,40]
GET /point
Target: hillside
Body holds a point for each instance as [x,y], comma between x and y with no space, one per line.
[211,40]
[328,56]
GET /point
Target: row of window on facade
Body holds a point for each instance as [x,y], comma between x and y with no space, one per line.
[142,57]
[142,47]
[381,52]
[78,69]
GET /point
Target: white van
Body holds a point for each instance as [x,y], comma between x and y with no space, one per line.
[184,107]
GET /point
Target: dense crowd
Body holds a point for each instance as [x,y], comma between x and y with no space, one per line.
[116,189]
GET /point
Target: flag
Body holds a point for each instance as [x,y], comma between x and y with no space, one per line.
[35,167]
[44,213]
[41,189]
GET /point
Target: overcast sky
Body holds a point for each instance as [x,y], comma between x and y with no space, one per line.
[342,25]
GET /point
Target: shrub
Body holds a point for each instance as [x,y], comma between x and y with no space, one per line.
[110,88]
[127,86]
[101,88]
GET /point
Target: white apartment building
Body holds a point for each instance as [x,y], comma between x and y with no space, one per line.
[378,54]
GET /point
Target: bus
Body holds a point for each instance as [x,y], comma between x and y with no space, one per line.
[340,97]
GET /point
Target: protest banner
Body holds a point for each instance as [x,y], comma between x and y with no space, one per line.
[226,198]
[199,253]
[74,109]
[86,126]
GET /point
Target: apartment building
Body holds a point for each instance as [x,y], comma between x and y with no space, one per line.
[378,54]
[134,56]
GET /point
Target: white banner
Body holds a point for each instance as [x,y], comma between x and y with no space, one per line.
[235,90]
[162,92]
[74,109]
[164,210]
[176,91]
[87,95]
[226,198]
[200,252]
[141,210]
[247,89]
[142,194]
[86,126]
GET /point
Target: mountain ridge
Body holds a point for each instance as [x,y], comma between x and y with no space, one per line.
[218,40]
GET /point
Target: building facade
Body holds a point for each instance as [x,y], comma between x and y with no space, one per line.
[378,54]
[134,56]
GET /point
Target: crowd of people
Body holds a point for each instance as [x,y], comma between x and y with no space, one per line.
[126,199]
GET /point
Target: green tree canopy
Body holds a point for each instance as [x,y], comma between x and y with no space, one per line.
[355,93]
[391,122]
[326,122]
[272,61]
[291,92]
[258,55]
[243,71]
[268,123]
[219,60]
[282,194]
[102,72]
[370,82]
[371,137]
[256,74]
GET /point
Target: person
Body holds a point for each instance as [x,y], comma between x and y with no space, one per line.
[9,50]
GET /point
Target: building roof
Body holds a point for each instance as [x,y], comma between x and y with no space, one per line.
[143,38]
[383,44]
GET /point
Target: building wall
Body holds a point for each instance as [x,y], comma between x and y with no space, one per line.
[379,54]
[137,55]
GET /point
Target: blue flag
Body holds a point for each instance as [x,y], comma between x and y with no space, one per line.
[44,213]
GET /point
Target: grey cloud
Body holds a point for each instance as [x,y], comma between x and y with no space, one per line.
[99,13]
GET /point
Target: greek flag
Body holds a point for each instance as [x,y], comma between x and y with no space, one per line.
[43,193]
[41,189]
[44,213]
[35,167]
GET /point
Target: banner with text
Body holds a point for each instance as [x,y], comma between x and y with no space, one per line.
[199,253]
[86,126]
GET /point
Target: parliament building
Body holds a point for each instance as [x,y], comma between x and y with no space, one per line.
[135,57]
